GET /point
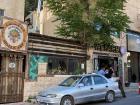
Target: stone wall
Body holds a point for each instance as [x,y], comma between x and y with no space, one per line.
[13,8]
[133,11]
[89,62]
[32,88]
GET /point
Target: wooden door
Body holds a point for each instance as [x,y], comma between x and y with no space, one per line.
[11,79]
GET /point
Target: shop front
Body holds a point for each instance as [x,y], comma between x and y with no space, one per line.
[133,56]
[51,60]
[50,65]
[55,56]
[13,47]
[107,56]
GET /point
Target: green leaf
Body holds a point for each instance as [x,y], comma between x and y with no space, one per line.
[89,21]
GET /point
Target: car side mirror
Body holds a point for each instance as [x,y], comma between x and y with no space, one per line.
[80,85]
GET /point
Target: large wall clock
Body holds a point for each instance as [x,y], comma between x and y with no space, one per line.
[14,35]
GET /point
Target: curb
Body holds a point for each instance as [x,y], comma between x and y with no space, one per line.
[19,103]
[131,90]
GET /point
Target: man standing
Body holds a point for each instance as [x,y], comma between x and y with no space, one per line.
[102,71]
[121,88]
[109,72]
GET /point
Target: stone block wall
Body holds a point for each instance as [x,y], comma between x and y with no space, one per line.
[32,88]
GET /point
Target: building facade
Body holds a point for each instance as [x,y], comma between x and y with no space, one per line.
[13,50]
[45,62]
[97,55]
[133,33]
[12,8]
[128,71]
[127,63]
[50,59]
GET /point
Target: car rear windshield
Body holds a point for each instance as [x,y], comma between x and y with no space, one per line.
[71,81]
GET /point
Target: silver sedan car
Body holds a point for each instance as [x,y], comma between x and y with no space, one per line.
[80,89]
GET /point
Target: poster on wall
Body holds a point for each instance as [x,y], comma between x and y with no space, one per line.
[37,66]
[33,67]
[42,67]
[14,35]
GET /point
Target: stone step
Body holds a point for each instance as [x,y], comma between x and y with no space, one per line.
[134,85]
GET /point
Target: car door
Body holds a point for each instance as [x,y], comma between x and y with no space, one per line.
[84,93]
[100,87]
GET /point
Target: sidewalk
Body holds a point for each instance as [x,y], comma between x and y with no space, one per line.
[19,103]
[133,87]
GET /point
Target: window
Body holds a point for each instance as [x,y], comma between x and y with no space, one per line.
[57,65]
[74,66]
[53,65]
[64,65]
[71,81]
[99,80]
[87,81]
[1,12]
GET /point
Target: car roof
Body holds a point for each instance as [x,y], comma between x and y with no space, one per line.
[89,74]
[94,74]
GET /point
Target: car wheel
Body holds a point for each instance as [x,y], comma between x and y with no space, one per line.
[110,96]
[67,100]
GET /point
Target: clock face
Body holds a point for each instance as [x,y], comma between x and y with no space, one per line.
[14,35]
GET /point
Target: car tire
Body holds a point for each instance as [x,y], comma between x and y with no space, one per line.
[67,100]
[110,96]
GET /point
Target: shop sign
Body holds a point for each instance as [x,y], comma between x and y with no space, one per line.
[82,66]
[103,53]
[123,50]
[114,49]
[14,36]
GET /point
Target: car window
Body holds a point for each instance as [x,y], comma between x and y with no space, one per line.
[71,81]
[99,80]
[87,81]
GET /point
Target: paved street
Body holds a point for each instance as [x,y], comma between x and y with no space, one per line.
[132,99]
